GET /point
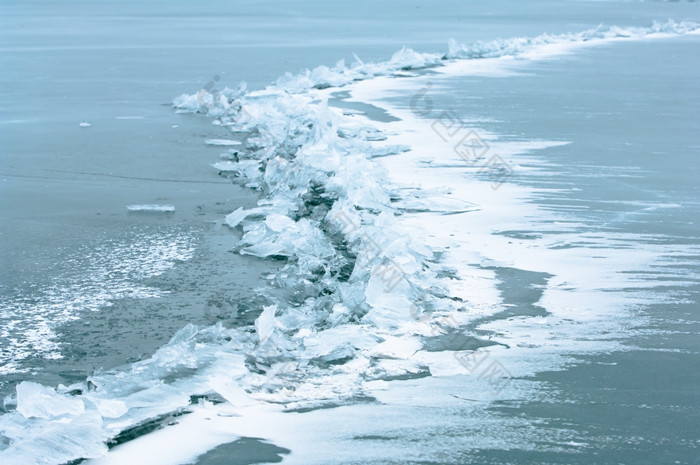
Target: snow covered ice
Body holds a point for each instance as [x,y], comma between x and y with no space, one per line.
[377,282]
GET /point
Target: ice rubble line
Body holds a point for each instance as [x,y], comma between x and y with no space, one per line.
[310,170]
[307,159]
[524,45]
[309,140]
[143,394]
[407,59]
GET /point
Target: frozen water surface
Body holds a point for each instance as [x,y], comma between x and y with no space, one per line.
[467,277]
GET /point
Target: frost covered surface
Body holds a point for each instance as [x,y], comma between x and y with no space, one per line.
[113,271]
[365,284]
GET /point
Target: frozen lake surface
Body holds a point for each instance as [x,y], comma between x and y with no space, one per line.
[479,248]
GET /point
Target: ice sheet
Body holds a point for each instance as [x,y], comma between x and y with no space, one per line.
[377,259]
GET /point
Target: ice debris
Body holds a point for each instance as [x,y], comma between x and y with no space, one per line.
[355,281]
[163,208]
